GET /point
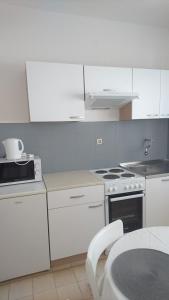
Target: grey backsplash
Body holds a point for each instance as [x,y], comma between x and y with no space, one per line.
[72,146]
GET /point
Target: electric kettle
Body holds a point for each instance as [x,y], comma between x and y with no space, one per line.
[13,148]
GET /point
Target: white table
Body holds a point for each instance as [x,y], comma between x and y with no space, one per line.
[151,238]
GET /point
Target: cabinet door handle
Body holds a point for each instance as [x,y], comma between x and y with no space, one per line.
[76,196]
[155,115]
[149,115]
[75,117]
[164,180]
[95,206]
[18,202]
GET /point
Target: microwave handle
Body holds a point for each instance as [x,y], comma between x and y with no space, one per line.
[126,197]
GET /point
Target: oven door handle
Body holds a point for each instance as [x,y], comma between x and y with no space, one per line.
[126,197]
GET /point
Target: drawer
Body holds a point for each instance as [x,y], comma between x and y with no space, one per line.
[75,196]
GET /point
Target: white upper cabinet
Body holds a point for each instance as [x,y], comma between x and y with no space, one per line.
[55,91]
[98,79]
[146,83]
[164,103]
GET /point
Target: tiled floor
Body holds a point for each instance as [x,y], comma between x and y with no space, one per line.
[67,284]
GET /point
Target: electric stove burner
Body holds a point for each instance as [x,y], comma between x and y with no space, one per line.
[116,170]
[101,172]
[127,175]
[111,176]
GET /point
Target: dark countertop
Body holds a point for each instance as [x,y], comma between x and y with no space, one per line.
[149,168]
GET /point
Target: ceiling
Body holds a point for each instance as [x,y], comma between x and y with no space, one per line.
[145,12]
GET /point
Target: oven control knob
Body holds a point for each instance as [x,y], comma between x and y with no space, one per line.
[136,185]
[110,189]
[141,185]
[131,187]
[126,187]
[114,188]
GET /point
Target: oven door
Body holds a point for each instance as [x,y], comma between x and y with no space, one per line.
[129,208]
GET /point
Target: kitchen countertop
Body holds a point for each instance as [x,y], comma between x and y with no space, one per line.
[69,180]
[24,189]
[149,168]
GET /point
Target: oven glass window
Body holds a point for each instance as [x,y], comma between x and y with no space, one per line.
[129,211]
[11,172]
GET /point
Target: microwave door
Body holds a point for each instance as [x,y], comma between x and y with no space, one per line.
[17,171]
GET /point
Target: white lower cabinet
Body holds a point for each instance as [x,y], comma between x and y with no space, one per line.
[157,201]
[72,227]
[24,247]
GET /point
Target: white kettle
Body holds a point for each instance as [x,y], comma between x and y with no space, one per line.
[13,148]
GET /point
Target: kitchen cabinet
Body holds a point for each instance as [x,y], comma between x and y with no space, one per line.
[98,79]
[55,91]
[164,103]
[75,216]
[24,247]
[146,83]
[157,201]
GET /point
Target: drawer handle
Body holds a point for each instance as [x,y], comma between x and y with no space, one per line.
[77,196]
[95,206]
[164,180]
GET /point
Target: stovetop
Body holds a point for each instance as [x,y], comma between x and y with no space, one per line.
[114,173]
[119,180]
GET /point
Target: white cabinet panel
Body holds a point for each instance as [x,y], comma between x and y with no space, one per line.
[157,201]
[55,91]
[24,247]
[164,103]
[146,83]
[72,228]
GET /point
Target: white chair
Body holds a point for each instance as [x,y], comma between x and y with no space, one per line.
[103,239]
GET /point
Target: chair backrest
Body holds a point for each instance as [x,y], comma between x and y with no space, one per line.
[102,240]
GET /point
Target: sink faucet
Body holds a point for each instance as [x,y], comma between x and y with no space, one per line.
[147,146]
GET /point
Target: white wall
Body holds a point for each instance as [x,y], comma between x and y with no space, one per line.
[27,34]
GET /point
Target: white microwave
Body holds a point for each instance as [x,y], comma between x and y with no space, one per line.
[19,171]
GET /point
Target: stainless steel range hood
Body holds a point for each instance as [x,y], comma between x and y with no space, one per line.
[107,99]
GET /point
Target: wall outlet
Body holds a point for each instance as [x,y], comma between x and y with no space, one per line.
[99,141]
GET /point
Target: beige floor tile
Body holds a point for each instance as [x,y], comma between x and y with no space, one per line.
[4,290]
[64,277]
[85,290]
[69,292]
[20,289]
[43,283]
[80,273]
[48,295]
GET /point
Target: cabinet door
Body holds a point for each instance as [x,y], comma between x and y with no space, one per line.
[147,84]
[24,245]
[157,201]
[55,91]
[99,78]
[164,103]
[72,228]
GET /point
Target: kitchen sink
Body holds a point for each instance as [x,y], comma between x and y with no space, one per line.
[148,167]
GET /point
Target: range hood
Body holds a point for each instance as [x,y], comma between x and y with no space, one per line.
[107,99]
